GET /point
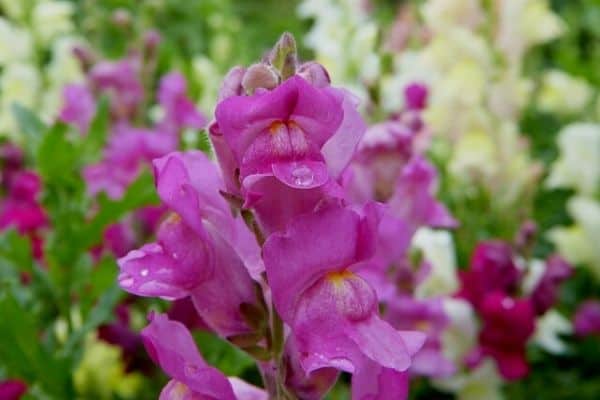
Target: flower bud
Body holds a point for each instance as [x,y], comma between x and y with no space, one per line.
[259,76]
[314,73]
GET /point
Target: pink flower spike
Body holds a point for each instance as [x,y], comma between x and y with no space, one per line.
[332,312]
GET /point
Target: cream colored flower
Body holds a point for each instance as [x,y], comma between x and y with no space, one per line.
[208,77]
[15,43]
[548,330]
[578,165]
[460,337]
[51,18]
[438,249]
[484,382]
[525,23]
[19,83]
[101,373]
[563,94]
[441,15]
[579,242]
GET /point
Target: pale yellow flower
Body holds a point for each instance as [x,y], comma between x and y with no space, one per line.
[562,93]
[438,249]
[578,165]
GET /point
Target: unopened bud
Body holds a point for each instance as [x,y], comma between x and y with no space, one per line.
[121,17]
[315,73]
[232,83]
[284,56]
[151,40]
[259,76]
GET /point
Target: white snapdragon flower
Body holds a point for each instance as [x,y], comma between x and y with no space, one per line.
[19,83]
[525,23]
[51,18]
[549,327]
[578,165]
[16,44]
[441,15]
[562,93]
[579,243]
[438,250]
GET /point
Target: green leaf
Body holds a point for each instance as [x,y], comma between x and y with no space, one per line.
[101,313]
[94,141]
[22,353]
[223,355]
[30,125]
[57,158]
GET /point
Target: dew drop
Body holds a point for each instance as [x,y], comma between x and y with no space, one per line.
[175,255]
[508,303]
[144,272]
[303,176]
[125,280]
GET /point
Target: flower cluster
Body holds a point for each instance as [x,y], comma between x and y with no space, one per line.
[279,250]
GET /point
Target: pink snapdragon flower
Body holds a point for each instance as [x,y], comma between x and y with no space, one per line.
[12,389]
[201,250]
[21,209]
[492,269]
[332,311]
[508,323]
[427,316]
[545,293]
[172,347]
[587,318]
[293,141]
[179,110]
[79,106]
[121,81]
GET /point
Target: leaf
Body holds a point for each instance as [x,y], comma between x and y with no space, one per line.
[94,141]
[22,353]
[56,157]
[32,127]
[229,359]
[100,313]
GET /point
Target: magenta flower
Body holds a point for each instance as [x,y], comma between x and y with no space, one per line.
[201,251]
[120,79]
[20,208]
[11,163]
[281,132]
[587,318]
[416,95]
[172,347]
[12,389]
[383,152]
[78,107]
[508,324]
[307,386]
[492,269]
[332,311]
[413,200]
[546,292]
[427,316]
[374,382]
[179,110]
[273,144]
[128,150]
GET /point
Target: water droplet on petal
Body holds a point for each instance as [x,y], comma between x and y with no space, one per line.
[508,303]
[303,176]
[175,255]
[125,280]
[144,272]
